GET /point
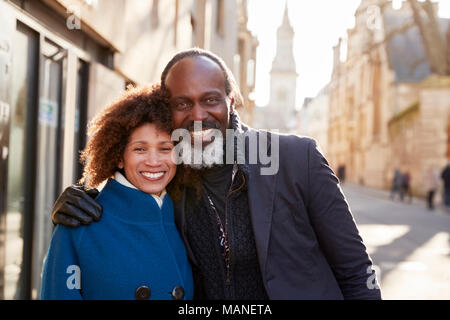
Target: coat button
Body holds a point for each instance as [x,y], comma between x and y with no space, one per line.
[178,293]
[143,293]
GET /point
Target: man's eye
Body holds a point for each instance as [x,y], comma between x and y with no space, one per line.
[211,100]
[182,105]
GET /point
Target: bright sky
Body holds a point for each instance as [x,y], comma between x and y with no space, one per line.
[318,24]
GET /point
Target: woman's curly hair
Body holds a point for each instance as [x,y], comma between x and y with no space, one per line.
[110,130]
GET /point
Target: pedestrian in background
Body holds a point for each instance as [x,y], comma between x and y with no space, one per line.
[431,186]
[397,185]
[406,186]
[445,175]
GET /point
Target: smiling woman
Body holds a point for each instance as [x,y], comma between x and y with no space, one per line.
[130,146]
[147,160]
[110,131]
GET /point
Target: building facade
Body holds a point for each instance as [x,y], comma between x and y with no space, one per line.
[221,26]
[313,119]
[387,107]
[61,61]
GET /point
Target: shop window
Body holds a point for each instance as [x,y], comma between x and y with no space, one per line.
[21,159]
[220,20]
[50,136]
[80,116]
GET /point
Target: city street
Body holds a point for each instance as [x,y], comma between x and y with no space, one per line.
[408,243]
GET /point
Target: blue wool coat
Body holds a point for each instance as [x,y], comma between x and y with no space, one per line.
[134,244]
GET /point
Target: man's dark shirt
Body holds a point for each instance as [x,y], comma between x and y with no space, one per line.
[245,281]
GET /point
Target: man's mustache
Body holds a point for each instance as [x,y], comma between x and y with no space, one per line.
[205,125]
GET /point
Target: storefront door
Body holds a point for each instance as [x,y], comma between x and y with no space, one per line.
[49,153]
[6,30]
[21,160]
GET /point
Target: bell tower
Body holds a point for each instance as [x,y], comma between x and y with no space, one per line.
[283,78]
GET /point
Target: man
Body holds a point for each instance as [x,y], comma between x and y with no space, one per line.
[283,235]
[397,184]
[445,175]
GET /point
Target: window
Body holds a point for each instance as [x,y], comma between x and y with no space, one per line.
[220,21]
[154,14]
[251,73]
[175,23]
[80,116]
[49,152]
[376,89]
[21,159]
[282,95]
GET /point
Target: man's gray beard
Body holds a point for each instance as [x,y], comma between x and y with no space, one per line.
[211,154]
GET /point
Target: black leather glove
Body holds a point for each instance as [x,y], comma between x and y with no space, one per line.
[76,206]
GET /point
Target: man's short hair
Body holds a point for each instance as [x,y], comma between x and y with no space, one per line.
[231,87]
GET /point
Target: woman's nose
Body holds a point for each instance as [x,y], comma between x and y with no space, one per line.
[153,158]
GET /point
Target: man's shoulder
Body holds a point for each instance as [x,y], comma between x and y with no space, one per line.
[286,138]
[292,142]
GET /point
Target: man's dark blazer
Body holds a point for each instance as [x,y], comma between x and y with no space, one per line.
[307,241]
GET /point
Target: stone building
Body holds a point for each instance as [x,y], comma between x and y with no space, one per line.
[221,26]
[281,113]
[313,118]
[61,61]
[387,107]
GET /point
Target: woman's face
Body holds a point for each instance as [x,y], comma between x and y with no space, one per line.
[147,159]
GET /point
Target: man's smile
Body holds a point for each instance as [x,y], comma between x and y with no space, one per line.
[203,135]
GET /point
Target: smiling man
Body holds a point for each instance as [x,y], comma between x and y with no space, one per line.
[250,236]
[201,104]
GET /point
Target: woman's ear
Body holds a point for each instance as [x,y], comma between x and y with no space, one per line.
[120,164]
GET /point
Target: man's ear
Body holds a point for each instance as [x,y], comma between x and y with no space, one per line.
[231,105]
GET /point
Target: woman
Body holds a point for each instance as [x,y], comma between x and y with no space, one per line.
[135,251]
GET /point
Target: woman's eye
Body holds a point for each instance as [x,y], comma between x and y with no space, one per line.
[139,149]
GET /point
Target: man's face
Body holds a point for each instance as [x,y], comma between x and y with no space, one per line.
[197,93]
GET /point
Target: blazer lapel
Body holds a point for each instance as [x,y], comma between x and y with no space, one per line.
[261,194]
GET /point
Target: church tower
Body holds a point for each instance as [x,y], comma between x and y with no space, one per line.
[283,79]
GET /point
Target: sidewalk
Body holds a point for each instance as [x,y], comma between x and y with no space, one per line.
[407,242]
[385,195]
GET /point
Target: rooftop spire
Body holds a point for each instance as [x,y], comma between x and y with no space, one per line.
[284,58]
[286,22]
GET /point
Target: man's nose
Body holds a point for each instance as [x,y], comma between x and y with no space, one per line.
[198,112]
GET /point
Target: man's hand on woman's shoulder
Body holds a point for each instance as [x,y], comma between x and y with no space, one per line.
[76,206]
